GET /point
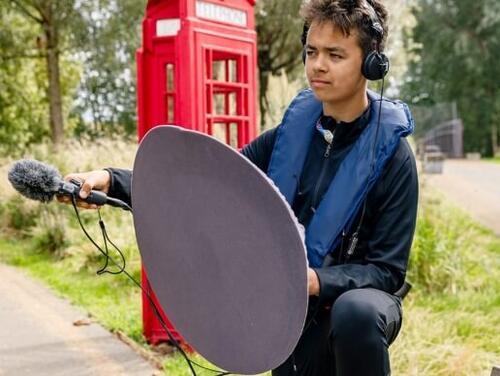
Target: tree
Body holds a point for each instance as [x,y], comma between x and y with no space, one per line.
[54,19]
[279,28]
[23,115]
[106,46]
[456,59]
[98,36]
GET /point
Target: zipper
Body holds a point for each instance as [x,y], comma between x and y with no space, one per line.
[327,151]
[326,155]
[352,246]
[341,251]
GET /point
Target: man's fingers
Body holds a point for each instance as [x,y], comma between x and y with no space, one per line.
[84,205]
[88,183]
[79,177]
[86,188]
[79,203]
[63,199]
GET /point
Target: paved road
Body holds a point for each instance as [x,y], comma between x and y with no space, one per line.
[37,336]
[473,186]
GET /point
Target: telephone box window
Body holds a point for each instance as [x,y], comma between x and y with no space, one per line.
[169,93]
[226,96]
[225,70]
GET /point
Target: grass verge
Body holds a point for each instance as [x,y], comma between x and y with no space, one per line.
[494,160]
[451,320]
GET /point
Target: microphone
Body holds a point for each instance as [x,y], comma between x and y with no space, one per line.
[41,182]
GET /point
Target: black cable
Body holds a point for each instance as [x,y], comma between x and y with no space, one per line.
[156,311]
[378,123]
[354,239]
[106,256]
[355,236]
[106,239]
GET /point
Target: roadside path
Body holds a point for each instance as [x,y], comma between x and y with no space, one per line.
[37,336]
[474,186]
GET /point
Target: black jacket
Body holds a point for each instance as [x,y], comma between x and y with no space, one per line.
[381,256]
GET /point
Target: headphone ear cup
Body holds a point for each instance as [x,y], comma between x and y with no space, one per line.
[375,66]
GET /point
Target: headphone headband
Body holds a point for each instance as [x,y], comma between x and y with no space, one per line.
[376,24]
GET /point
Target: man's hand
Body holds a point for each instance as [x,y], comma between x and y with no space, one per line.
[312,282]
[99,180]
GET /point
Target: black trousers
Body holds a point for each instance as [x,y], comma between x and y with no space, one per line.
[349,339]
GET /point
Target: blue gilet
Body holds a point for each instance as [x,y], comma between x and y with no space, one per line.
[355,176]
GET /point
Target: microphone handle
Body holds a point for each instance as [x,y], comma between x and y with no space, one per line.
[96,197]
[72,188]
[100,198]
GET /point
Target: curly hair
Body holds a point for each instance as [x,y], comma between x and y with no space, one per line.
[348,15]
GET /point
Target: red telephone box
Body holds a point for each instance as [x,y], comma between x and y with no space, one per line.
[197,68]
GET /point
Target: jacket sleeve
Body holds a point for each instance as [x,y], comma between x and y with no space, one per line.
[388,241]
[259,150]
[121,184]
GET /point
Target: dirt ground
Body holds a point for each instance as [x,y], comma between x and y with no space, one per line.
[473,186]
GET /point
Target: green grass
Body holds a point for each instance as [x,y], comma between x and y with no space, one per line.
[452,316]
[494,160]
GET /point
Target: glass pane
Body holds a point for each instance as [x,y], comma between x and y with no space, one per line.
[219,104]
[219,70]
[219,131]
[233,135]
[170,109]
[231,97]
[170,78]
[233,73]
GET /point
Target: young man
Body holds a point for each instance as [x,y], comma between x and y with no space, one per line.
[340,159]
[356,195]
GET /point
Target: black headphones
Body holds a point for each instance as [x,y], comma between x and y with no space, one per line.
[376,64]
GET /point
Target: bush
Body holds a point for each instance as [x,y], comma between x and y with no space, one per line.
[54,227]
[51,232]
[444,255]
[18,216]
[451,323]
